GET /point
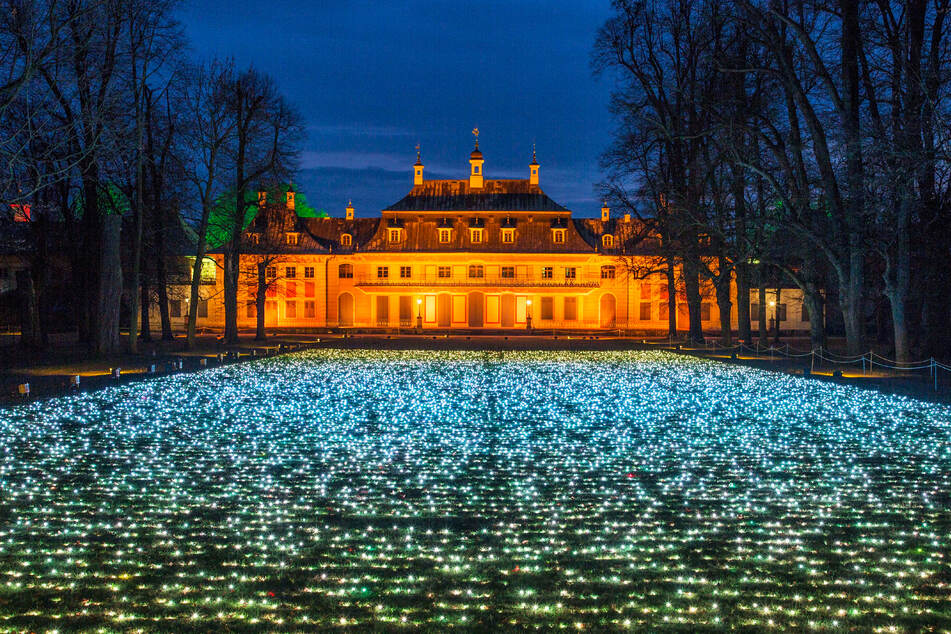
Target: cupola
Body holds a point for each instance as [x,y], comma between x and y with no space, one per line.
[605,211]
[350,210]
[533,169]
[291,194]
[417,169]
[475,164]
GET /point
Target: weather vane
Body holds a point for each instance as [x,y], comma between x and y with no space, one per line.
[475,133]
[417,151]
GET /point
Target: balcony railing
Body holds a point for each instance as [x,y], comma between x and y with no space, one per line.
[469,282]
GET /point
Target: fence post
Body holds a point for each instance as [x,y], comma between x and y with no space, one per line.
[871,363]
[934,371]
[863,365]
[812,370]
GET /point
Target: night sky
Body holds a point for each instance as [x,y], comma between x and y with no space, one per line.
[374,78]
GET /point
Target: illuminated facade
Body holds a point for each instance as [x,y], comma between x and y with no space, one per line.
[471,253]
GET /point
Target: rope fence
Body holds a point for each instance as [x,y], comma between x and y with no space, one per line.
[819,355]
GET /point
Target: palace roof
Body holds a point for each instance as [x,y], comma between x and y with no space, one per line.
[457,195]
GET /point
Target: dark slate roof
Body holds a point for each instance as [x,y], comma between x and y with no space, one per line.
[456,195]
[326,232]
[533,233]
[631,237]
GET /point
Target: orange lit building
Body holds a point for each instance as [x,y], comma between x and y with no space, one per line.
[472,253]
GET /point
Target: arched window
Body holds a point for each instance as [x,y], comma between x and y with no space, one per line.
[608,241]
[345,271]
[346,240]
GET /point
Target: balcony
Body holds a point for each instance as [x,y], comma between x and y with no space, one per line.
[477,282]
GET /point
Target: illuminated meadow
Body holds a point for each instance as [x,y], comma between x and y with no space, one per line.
[366,490]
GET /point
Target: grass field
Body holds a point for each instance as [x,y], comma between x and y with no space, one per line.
[367,490]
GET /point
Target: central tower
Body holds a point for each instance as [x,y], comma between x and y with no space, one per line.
[475,164]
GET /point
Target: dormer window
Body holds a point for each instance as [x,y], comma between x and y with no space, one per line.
[445,235]
[346,240]
[396,235]
[292,239]
[558,236]
[508,236]
[607,241]
[475,236]
[254,238]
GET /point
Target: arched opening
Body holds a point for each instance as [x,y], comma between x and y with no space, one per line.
[345,310]
[443,310]
[608,311]
[476,309]
[508,311]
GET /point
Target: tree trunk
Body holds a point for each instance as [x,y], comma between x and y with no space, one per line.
[30,335]
[260,334]
[692,286]
[761,314]
[671,299]
[779,295]
[110,287]
[231,296]
[725,306]
[146,327]
[744,328]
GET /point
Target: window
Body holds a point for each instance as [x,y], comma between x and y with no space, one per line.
[445,235]
[781,312]
[395,235]
[548,308]
[444,271]
[203,308]
[663,311]
[571,308]
[382,272]
[290,290]
[645,314]
[310,310]
[608,241]
[548,272]
[475,236]
[290,310]
[754,311]
[290,272]
[346,240]
[308,271]
[345,271]
[508,272]
[475,169]
[558,236]
[705,311]
[406,271]
[608,272]
[292,239]
[570,272]
[270,272]
[252,309]
[175,308]
[476,270]
[508,236]
[309,289]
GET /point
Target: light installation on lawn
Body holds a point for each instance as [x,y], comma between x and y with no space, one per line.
[573,490]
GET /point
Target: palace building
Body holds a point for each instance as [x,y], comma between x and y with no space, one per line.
[472,253]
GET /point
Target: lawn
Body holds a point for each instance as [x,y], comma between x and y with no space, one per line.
[367,490]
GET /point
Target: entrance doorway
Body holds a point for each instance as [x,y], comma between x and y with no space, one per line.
[345,310]
[476,309]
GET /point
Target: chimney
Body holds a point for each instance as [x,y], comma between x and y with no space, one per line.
[350,210]
[291,194]
[605,211]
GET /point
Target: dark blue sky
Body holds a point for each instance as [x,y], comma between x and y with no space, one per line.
[374,78]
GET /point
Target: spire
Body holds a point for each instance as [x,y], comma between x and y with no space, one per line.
[418,169]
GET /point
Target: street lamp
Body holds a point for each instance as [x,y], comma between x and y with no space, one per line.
[528,315]
[419,313]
